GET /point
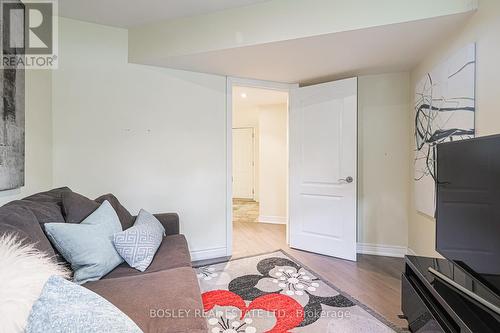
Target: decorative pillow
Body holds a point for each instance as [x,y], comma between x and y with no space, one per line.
[67,307]
[23,273]
[138,244]
[77,207]
[88,246]
[146,218]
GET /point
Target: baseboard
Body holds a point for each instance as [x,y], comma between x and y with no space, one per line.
[382,250]
[218,252]
[363,248]
[411,252]
[272,219]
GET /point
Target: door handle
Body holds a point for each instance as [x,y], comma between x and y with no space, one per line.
[347,180]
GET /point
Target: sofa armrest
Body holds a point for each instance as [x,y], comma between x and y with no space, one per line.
[170,222]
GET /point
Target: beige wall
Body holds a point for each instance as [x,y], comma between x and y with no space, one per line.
[155,137]
[114,121]
[38,122]
[484,29]
[273,163]
[383,165]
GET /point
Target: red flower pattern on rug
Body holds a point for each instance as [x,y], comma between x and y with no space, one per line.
[272,293]
[288,312]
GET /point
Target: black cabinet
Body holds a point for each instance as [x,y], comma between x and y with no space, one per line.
[431,304]
[420,317]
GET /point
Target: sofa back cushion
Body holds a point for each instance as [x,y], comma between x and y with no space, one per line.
[54,196]
[16,218]
[126,219]
[26,217]
[45,212]
[77,207]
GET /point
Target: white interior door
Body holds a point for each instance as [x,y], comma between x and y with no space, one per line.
[243,163]
[323,151]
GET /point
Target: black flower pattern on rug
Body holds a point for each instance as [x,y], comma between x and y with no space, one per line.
[290,279]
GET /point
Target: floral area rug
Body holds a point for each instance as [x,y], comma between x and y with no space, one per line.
[275,293]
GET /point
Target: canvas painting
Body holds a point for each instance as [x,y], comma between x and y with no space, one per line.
[12,129]
[444,111]
[11,126]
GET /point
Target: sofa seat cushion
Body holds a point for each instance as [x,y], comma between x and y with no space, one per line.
[172,253]
[151,299]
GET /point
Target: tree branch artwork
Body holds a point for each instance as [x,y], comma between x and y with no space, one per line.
[444,111]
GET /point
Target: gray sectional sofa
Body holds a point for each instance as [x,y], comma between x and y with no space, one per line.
[164,299]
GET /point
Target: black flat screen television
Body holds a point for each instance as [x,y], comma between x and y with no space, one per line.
[468,204]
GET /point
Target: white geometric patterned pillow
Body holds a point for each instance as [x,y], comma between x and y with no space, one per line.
[138,244]
[145,217]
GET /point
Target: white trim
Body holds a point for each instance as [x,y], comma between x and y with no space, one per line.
[229,167]
[230,81]
[411,252]
[382,250]
[272,219]
[238,81]
[218,252]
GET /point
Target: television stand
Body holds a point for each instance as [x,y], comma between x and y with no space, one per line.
[431,303]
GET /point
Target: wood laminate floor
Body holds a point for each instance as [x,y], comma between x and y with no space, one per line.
[373,280]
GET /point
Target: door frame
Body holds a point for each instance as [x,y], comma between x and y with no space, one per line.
[253,158]
[251,83]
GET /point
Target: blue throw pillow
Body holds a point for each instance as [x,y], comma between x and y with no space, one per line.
[88,246]
[67,307]
[139,243]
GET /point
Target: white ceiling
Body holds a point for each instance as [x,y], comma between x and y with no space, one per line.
[131,13]
[246,97]
[389,48]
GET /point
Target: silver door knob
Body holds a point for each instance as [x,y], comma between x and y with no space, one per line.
[347,180]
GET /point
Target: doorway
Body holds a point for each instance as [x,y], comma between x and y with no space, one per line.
[259,158]
[305,178]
